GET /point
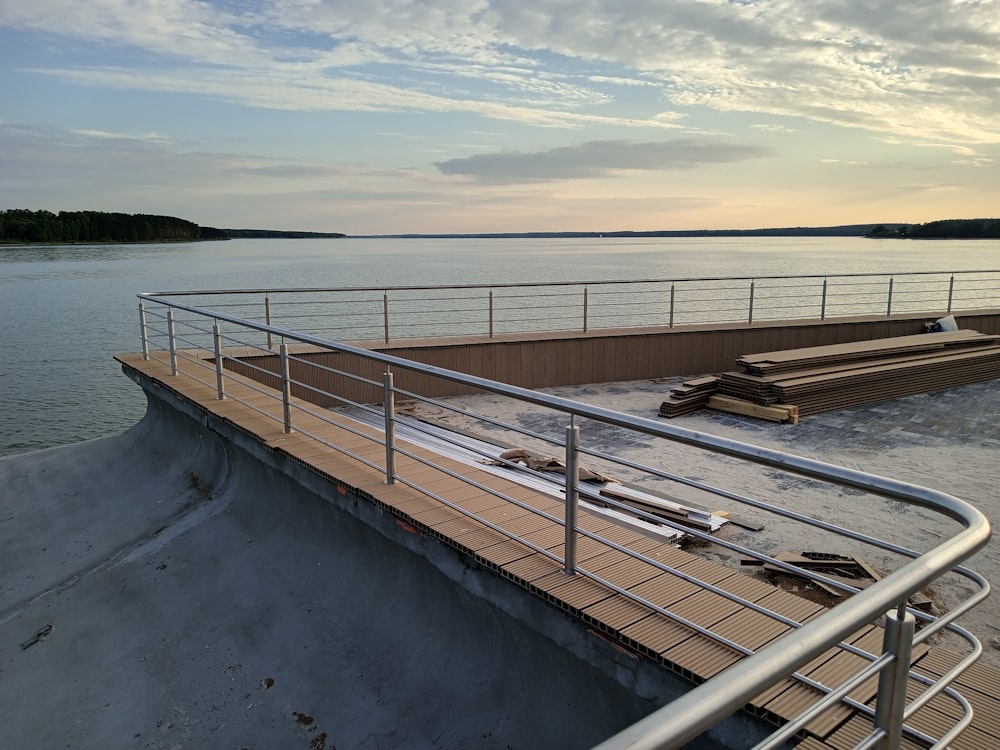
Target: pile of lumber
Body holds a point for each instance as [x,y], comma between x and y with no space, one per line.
[689,396]
[822,378]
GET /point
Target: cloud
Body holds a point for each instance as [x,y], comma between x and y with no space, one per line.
[927,70]
[598,159]
[153,138]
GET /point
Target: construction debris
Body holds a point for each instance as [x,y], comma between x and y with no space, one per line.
[663,508]
[537,463]
[844,569]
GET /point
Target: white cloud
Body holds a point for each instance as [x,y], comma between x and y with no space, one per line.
[927,70]
[153,138]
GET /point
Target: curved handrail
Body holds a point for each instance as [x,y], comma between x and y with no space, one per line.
[688,716]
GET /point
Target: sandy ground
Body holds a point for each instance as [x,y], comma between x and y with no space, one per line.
[947,441]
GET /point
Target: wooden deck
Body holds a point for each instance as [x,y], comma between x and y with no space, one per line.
[623,623]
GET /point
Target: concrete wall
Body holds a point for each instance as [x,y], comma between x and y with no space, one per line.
[542,361]
[204,591]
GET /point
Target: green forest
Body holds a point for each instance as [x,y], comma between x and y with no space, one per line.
[22,225]
[946,229]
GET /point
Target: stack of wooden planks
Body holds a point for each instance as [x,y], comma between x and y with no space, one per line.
[689,396]
[823,378]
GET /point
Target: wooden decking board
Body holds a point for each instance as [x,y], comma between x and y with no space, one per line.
[750,629]
[434,517]
[630,572]
[665,554]
[974,738]
[790,606]
[429,484]
[504,552]
[617,612]
[979,677]
[478,539]
[746,587]
[657,633]
[472,499]
[705,608]
[940,715]
[547,537]
[679,647]
[665,590]
[592,553]
[853,348]
[798,699]
[533,567]
[526,526]
[457,527]
[841,667]
[855,729]
[705,570]
[506,512]
[811,743]
[625,537]
[940,703]
[702,656]
[575,591]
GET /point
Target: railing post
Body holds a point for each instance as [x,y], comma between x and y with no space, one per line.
[891,698]
[172,341]
[888,305]
[951,290]
[585,309]
[385,315]
[572,497]
[286,387]
[822,304]
[142,330]
[217,338]
[390,428]
[267,319]
[491,313]
[672,291]
[750,312]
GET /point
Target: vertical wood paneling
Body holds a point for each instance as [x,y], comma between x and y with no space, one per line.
[574,359]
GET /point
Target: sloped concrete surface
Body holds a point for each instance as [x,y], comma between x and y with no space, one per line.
[165,589]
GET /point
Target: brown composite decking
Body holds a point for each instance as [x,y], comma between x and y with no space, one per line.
[625,624]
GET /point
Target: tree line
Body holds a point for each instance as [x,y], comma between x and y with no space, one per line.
[945,229]
[23,225]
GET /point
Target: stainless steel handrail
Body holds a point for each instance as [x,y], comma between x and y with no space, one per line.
[696,711]
[392,313]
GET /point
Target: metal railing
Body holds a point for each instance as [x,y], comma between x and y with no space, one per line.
[406,312]
[196,342]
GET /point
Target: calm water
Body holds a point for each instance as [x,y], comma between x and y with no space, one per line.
[66,310]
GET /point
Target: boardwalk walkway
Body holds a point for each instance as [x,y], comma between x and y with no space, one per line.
[625,624]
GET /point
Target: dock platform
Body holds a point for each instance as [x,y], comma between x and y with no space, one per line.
[625,625]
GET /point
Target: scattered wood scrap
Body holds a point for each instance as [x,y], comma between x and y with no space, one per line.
[544,463]
[844,569]
[663,508]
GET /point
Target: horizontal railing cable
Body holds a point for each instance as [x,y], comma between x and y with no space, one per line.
[694,712]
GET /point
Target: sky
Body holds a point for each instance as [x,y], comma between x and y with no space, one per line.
[452,116]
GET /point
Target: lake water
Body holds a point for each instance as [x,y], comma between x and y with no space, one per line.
[67,310]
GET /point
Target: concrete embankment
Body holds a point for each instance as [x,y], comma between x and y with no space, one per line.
[167,587]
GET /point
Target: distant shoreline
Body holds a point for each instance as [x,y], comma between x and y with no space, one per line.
[850,230]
